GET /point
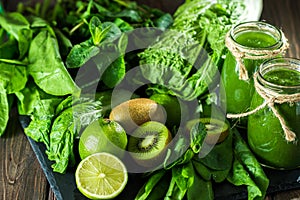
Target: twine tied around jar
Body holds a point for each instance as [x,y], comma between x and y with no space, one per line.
[271,98]
[240,52]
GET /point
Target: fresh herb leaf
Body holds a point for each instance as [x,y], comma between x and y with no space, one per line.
[66,126]
[4,109]
[247,170]
[14,77]
[197,134]
[200,189]
[47,68]
[81,53]
[148,187]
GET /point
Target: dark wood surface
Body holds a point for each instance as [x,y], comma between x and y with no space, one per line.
[21,176]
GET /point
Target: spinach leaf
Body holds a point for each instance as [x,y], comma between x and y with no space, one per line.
[81,53]
[247,170]
[200,189]
[202,170]
[64,43]
[9,49]
[27,99]
[47,68]
[182,179]
[240,176]
[66,126]
[160,190]
[18,26]
[217,164]
[4,109]
[178,152]
[123,25]
[40,106]
[197,134]
[41,120]
[221,156]
[148,187]
[164,21]
[14,77]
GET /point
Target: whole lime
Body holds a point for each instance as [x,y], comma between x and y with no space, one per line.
[172,107]
[102,135]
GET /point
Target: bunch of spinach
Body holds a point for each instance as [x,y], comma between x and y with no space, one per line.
[186,59]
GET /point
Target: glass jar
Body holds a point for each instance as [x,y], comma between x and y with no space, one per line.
[274,130]
[249,44]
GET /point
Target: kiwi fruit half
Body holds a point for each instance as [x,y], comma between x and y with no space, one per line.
[217,130]
[132,113]
[147,143]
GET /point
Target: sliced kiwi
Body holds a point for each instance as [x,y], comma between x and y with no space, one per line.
[217,130]
[147,143]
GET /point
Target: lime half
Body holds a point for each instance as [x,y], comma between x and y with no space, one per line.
[101,176]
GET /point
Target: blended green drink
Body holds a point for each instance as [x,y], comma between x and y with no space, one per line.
[267,135]
[249,45]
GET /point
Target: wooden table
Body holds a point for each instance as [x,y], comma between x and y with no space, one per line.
[21,176]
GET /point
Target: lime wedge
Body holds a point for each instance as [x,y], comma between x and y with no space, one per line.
[101,176]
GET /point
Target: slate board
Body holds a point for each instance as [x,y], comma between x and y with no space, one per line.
[64,186]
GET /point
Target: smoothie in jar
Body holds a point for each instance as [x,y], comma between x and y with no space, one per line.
[266,135]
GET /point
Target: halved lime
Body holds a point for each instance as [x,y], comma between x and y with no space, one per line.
[101,176]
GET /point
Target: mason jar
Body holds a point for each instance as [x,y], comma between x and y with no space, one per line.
[274,129]
[249,44]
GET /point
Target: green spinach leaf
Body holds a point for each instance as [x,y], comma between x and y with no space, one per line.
[81,53]
[47,68]
[247,170]
[197,134]
[148,187]
[66,126]
[18,26]
[14,77]
[4,109]
[201,189]
[41,120]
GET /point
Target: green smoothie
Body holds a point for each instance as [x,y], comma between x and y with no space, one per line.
[265,134]
[239,92]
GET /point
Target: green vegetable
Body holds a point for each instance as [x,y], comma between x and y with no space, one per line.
[12,79]
[182,179]
[66,126]
[4,109]
[41,120]
[186,58]
[41,108]
[247,170]
[217,163]
[18,26]
[200,189]
[148,187]
[185,148]
[47,68]
[197,134]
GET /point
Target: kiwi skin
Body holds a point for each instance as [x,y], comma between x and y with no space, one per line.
[145,148]
[132,113]
[213,136]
